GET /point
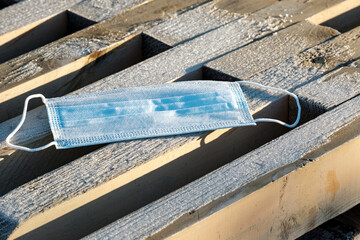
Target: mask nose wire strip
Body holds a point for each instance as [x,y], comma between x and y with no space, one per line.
[22,122]
[279,90]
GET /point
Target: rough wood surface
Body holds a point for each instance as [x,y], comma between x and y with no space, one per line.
[275,16]
[234,180]
[98,11]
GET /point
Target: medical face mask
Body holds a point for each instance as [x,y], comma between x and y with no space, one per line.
[143,112]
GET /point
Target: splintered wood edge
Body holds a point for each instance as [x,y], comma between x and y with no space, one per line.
[290,206]
[333,11]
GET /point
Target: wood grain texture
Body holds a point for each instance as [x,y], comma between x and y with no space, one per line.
[245,175]
[98,11]
[124,153]
[277,15]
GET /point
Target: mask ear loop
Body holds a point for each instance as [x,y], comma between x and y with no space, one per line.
[22,122]
[279,90]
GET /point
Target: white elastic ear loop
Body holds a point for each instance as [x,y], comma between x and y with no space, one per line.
[21,123]
[283,91]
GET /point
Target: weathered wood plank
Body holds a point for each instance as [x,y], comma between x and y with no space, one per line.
[160,151]
[226,191]
[215,14]
[99,11]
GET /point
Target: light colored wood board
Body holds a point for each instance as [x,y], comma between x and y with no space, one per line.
[243,7]
[290,206]
[272,50]
[333,88]
[334,11]
[19,18]
[242,177]
[99,11]
[291,11]
[117,150]
[70,54]
[276,15]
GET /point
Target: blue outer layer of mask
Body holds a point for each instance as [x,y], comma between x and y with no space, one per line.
[141,112]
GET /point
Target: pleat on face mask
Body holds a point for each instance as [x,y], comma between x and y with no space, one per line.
[143,112]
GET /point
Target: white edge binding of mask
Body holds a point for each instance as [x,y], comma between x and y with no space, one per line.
[54,143]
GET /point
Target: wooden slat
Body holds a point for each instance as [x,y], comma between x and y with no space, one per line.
[99,11]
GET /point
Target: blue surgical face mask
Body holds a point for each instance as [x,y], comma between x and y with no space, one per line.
[143,112]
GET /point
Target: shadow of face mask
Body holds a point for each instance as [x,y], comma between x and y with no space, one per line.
[143,112]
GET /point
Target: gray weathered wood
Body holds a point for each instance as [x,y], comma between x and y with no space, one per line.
[122,155]
[97,11]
